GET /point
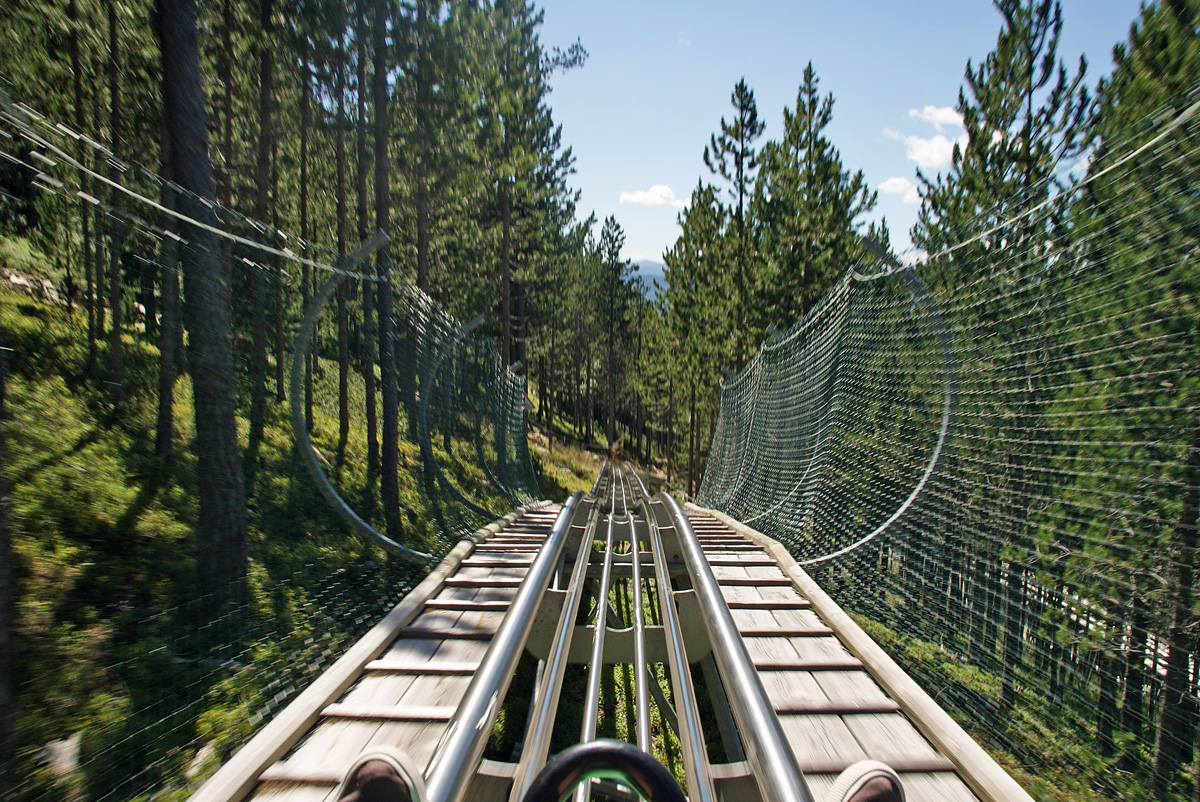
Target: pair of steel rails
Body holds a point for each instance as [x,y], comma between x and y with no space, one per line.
[619,511]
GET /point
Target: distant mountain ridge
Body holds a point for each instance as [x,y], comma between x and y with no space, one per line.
[652,273]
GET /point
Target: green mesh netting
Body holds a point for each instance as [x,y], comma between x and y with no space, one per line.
[991,458]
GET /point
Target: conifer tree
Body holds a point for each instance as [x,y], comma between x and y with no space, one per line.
[732,155]
[807,204]
[1141,220]
[1024,115]
[615,300]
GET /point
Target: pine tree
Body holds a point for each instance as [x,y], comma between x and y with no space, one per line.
[807,204]
[1136,221]
[733,156]
[1024,116]
[615,300]
[221,563]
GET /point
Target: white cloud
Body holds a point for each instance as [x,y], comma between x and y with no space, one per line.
[898,185]
[891,134]
[936,151]
[657,195]
[685,42]
[937,116]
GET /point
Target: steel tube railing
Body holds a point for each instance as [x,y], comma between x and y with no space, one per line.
[766,747]
[541,720]
[596,669]
[691,737]
[462,746]
[641,692]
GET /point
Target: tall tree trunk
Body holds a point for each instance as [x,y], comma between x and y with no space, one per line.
[169,332]
[306,273]
[1013,637]
[225,67]
[389,481]
[506,276]
[1106,709]
[8,696]
[221,535]
[364,229]
[116,351]
[1177,707]
[277,293]
[258,277]
[342,222]
[1133,714]
[692,440]
[98,271]
[84,184]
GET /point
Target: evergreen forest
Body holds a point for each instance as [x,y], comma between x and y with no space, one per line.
[181,180]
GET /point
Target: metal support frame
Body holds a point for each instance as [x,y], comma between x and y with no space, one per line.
[300,351]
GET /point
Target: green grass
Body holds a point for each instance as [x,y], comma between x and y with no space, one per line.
[107,638]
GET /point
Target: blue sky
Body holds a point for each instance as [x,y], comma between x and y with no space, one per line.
[659,76]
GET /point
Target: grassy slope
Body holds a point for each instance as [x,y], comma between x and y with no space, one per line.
[103,540]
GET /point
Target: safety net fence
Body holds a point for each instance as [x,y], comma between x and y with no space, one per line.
[990,458]
[136,670]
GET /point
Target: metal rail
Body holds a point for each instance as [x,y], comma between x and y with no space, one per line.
[299,427]
[767,748]
[541,718]
[462,746]
[691,737]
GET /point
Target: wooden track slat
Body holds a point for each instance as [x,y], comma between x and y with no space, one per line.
[445,634]
[398,666]
[848,664]
[763,604]
[468,582]
[830,707]
[391,713]
[754,582]
[465,605]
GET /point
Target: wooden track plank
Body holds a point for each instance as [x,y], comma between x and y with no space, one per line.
[444,634]
[296,791]
[748,619]
[765,572]
[461,650]
[417,739]
[412,649]
[852,687]
[483,582]
[944,787]
[821,649]
[465,605]
[820,739]
[740,594]
[754,582]
[764,604]
[430,667]
[771,650]
[390,712]
[891,738]
[793,688]
[331,746]
[797,619]
[436,689]
[376,689]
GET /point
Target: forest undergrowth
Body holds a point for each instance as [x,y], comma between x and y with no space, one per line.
[121,686]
